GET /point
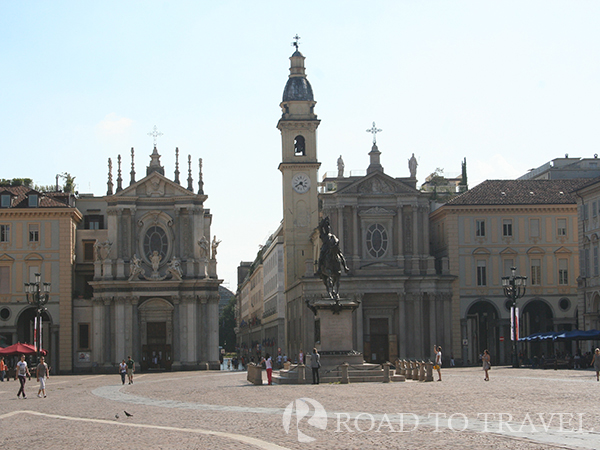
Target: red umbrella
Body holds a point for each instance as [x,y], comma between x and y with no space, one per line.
[20,349]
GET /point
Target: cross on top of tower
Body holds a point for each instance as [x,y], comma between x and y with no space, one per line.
[155,133]
[296,42]
[374,130]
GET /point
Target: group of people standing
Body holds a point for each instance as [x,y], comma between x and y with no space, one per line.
[315,364]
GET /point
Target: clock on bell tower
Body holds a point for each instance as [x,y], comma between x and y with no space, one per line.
[299,165]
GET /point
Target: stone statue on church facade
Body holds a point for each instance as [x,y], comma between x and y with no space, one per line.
[135,268]
[102,250]
[412,166]
[174,268]
[214,245]
[204,250]
[155,259]
[331,260]
[340,167]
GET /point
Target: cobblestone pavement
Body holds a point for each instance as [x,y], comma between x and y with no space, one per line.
[517,409]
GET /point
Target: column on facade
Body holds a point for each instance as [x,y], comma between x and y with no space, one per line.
[120,229]
[425,217]
[213,331]
[132,232]
[120,329]
[136,346]
[402,325]
[434,337]
[355,236]
[446,303]
[202,330]
[192,330]
[176,353]
[98,330]
[400,236]
[183,329]
[419,350]
[340,226]
[107,331]
[360,332]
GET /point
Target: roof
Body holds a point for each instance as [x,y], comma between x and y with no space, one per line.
[297,89]
[521,192]
[21,193]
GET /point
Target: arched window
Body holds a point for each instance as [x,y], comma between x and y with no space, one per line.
[156,239]
[377,240]
[299,146]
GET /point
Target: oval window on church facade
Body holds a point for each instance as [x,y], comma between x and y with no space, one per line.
[156,240]
[377,240]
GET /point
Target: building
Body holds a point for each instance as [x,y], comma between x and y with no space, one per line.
[565,169]
[588,304]
[146,275]
[37,235]
[499,224]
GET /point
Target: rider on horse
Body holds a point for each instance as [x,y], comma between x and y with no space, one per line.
[331,259]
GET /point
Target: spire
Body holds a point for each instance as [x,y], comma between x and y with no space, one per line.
[155,165]
[132,167]
[119,179]
[190,186]
[177,165]
[374,154]
[200,181]
[297,87]
[109,191]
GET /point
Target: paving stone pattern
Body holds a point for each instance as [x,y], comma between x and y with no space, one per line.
[221,410]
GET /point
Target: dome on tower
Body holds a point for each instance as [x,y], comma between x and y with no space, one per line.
[297,88]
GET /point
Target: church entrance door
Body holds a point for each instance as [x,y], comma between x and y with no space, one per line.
[379,340]
[156,354]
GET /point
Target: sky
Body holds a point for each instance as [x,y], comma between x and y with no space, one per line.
[507,85]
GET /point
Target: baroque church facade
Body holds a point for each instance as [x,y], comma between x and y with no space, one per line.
[146,275]
[383,227]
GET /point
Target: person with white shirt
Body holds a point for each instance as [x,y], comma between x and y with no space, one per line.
[269,366]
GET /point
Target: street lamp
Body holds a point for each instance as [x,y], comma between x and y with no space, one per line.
[514,288]
[38,294]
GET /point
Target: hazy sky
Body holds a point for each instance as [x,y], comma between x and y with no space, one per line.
[508,85]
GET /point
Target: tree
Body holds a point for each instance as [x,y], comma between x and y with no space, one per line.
[28,182]
[227,326]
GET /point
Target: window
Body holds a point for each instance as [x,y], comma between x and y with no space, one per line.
[536,272]
[507,228]
[299,146]
[507,265]
[5,280]
[34,232]
[33,200]
[481,273]
[5,201]
[156,240]
[88,251]
[93,222]
[561,227]
[563,271]
[480,228]
[4,233]
[534,228]
[32,271]
[377,240]
[84,336]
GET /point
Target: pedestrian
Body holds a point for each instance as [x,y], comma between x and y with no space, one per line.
[452,363]
[123,371]
[130,369]
[269,366]
[22,371]
[2,368]
[301,357]
[438,361]
[42,373]
[596,363]
[315,364]
[486,358]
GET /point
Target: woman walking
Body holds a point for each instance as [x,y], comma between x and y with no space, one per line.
[438,361]
[486,358]
[596,363]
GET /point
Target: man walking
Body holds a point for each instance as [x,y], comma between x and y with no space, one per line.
[42,373]
[21,371]
[130,369]
[315,364]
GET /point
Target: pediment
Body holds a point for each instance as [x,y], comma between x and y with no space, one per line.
[508,251]
[377,211]
[6,257]
[563,250]
[377,183]
[34,257]
[535,251]
[154,185]
[481,251]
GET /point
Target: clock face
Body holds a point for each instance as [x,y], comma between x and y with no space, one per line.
[301,183]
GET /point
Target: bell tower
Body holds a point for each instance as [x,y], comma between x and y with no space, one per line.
[299,165]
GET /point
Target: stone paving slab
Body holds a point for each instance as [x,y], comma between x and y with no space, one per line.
[214,410]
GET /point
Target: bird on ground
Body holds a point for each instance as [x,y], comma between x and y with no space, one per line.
[127,414]
[117,416]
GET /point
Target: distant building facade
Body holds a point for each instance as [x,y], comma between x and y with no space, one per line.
[565,169]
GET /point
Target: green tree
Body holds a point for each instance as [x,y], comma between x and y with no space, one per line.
[227,326]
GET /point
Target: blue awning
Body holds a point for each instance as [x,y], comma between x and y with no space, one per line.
[578,335]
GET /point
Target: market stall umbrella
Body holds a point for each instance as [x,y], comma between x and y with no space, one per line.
[20,349]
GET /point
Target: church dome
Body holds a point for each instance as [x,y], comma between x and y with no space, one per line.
[297,88]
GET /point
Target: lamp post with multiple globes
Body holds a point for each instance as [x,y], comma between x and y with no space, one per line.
[38,294]
[514,288]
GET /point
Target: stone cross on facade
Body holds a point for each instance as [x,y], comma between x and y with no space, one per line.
[296,42]
[155,134]
[374,130]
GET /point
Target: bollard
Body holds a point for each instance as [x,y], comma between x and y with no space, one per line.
[429,376]
[386,372]
[416,372]
[403,367]
[344,368]
[286,365]
[254,374]
[301,374]
[397,365]
[422,371]
[409,369]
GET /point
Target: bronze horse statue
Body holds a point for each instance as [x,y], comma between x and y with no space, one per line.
[331,260]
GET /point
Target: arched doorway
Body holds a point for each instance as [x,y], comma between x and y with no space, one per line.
[156,329]
[482,331]
[26,327]
[537,317]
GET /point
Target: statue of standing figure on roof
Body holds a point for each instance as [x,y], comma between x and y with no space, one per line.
[412,166]
[340,164]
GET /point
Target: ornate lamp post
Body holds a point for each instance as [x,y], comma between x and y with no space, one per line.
[38,294]
[514,288]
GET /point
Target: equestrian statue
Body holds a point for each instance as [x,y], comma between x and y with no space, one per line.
[331,260]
